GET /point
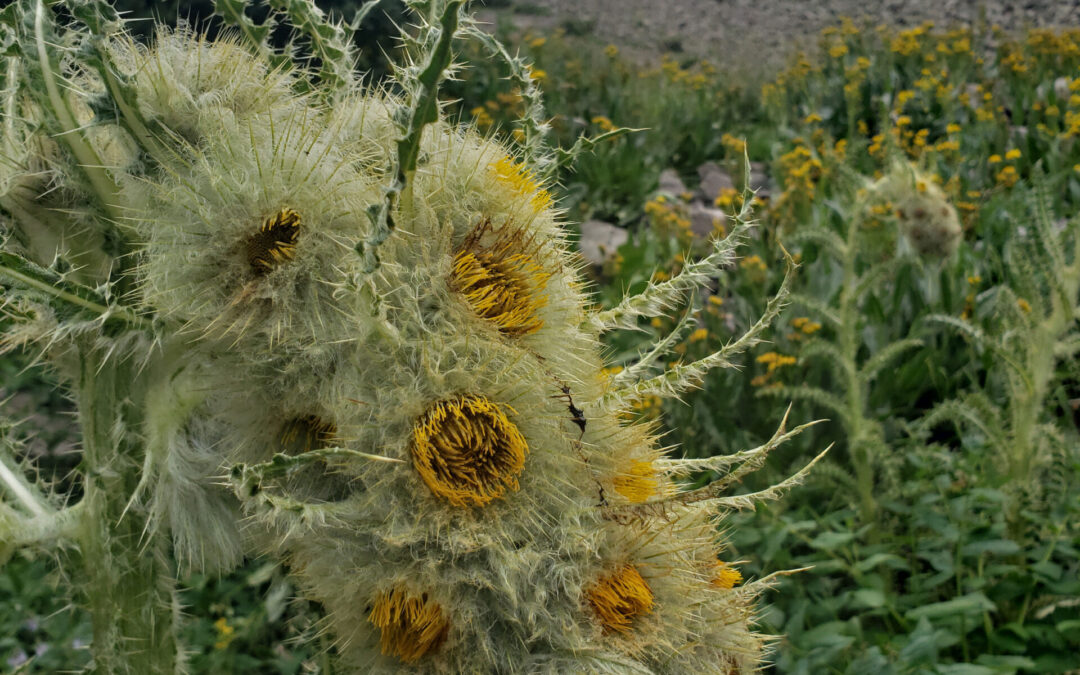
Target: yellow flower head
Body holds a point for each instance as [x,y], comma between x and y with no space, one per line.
[521,180]
[604,123]
[726,577]
[638,483]
[619,598]
[226,633]
[468,451]
[275,242]
[503,280]
[303,434]
[410,626]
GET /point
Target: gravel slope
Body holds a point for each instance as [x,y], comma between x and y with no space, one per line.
[763,32]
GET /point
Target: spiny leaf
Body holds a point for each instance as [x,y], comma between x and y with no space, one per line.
[329,41]
[886,356]
[684,377]
[423,110]
[805,392]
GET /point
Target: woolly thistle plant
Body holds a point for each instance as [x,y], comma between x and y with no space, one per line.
[919,223]
[924,214]
[314,320]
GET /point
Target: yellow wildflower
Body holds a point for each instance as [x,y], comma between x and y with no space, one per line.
[226,633]
[1007,176]
[603,122]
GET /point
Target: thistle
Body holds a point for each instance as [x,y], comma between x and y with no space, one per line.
[335,329]
[924,214]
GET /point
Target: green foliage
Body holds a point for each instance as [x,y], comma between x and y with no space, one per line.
[942,532]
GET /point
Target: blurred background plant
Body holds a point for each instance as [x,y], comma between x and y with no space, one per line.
[944,533]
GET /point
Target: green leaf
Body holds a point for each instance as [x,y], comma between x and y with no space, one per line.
[965,669]
[1068,626]
[868,597]
[892,560]
[1001,663]
[994,546]
[972,603]
[831,540]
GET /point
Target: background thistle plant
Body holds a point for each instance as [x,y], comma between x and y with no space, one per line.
[326,325]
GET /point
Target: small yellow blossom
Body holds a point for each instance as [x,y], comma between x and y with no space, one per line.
[1007,176]
[226,633]
[1024,306]
[699,335]
[612,51]
[1012,154]
[603,122]
[754,262]
[994,159]
[952,128]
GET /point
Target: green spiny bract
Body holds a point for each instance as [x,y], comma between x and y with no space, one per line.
[368,323]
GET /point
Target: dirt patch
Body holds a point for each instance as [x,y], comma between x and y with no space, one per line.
[755,34]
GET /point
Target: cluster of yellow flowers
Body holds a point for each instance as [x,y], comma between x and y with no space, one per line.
[800,170]
[803,327]
[669,217]
[773,361]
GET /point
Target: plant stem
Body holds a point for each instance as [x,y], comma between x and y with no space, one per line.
[858,446]
[129,579]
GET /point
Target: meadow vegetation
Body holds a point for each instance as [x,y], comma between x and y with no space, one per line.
[942,534]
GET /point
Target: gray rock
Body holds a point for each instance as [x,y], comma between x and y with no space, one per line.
[671,184]
[759,179]
[704,219]
[1061,88]
[600,240]
[714,180]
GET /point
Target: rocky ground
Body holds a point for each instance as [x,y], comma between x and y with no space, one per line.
[761,33]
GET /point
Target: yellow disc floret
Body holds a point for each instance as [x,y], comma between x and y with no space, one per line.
[307,433]
[522,181]
[638,482]
[275,242]
[502,281]
[468,451]
[409,625]
[619,598]
[725,576]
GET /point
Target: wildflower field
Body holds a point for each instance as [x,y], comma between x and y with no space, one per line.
[915,198]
